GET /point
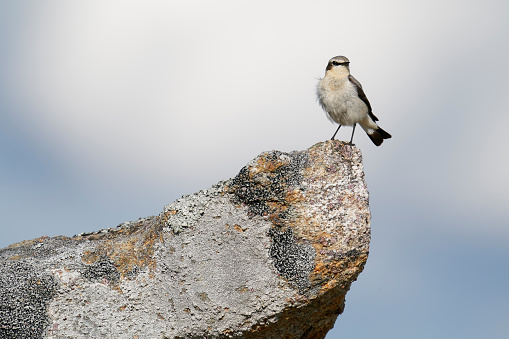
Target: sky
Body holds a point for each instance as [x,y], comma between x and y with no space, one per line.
[110,110]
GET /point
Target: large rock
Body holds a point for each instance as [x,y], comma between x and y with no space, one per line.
[270,253]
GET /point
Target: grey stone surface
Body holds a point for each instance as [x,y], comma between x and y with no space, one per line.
[270,253]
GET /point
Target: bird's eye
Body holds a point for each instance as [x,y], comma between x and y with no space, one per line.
[335,63]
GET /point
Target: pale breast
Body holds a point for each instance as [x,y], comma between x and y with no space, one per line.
[339,99]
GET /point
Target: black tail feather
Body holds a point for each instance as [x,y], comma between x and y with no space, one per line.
[378,136]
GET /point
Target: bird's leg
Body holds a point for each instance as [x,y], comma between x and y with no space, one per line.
[335,133]
[351,139]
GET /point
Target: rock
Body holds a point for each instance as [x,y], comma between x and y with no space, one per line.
[270,253]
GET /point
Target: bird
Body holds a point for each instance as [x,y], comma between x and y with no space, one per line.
[344,102]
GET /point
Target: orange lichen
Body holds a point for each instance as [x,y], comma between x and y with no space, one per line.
[267,165]
[238,228]
[129,250]
[26,243]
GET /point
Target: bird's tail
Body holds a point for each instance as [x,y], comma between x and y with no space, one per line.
[378,136]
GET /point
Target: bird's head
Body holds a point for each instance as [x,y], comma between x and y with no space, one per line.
[338,67]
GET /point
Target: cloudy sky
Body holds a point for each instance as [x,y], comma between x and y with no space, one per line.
[111,109]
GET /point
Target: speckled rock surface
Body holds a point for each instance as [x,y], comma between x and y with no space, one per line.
[270,253]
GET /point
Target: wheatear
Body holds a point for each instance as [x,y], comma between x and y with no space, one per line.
[343,100]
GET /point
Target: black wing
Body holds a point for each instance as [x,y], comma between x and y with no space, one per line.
[362,96]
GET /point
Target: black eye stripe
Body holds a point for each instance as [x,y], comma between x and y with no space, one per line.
[335,63]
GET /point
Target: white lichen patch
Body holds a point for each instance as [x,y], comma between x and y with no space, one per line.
[187,210]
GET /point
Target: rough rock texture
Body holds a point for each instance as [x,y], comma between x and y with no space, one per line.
[270,253]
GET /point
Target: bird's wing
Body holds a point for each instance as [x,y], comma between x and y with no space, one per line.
[362,96]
